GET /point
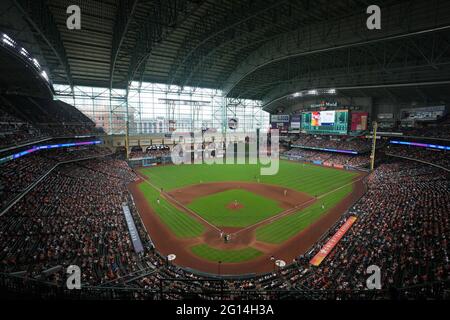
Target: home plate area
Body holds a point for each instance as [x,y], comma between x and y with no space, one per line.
[243,224]
[237,204]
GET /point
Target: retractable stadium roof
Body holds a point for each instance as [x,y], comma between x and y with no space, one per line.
[258,49]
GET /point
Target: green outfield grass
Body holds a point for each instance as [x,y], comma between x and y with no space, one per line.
[227,256]
[287,227]
[308,178]
[181,224]
[213,208]
[331,185]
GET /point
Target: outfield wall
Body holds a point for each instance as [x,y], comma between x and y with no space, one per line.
[149,161]
[322,163]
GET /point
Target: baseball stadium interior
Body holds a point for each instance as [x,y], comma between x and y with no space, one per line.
[127,129]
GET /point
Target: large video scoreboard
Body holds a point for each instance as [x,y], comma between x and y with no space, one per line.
[325,122]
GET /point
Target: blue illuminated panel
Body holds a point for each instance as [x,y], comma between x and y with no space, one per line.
[328,150]
[50,146]
[422,145]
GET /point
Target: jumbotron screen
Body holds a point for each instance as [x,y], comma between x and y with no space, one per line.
[325,122]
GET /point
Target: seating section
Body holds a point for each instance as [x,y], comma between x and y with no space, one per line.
[74,216]
[330,157]
[333,142]
[439,129]
[402,227]
[16,175]
[435,156]
[16,131]
[24,119]
[408,242]
[442,131]
[150,153]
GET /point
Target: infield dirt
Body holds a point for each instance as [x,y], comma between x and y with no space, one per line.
[167,243]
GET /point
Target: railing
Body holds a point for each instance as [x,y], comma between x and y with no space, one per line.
[34,184]
[418,160]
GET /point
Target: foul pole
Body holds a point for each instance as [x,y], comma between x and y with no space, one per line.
[374,145]
[127,128]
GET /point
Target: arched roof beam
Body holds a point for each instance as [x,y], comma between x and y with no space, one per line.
[209,35]
[38,15]
[406,62]
[124,16]
[270,105]
[205,62]
[342,33]
[163,16]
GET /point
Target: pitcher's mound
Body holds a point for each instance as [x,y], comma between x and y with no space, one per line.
[234,206]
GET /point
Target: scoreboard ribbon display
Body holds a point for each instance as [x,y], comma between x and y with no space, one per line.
[50,146]
[423,145]
[326,249]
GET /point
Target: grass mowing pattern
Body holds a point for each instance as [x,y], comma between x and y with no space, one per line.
[308,178]
[213,208]
[287,227]
[181,224]
[227,256]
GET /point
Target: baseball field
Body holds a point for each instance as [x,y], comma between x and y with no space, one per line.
[206,214]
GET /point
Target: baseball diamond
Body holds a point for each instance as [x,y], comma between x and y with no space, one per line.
[194,216]
[236,150]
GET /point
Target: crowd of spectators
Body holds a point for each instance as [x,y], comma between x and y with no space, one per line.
[16,131]
[435,156]
[402,227]
[441,132]
[16,175]
[25,119]
[74,216]
[150,153]
[333,142]
[328,157]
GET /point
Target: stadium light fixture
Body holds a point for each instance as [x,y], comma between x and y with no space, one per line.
[313,92]
[36,63]
[44,75]
[24,52]
[5,36]
[8,42]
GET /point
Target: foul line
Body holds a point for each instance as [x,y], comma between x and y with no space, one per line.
[271,219]
[181,205]
[295,208]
